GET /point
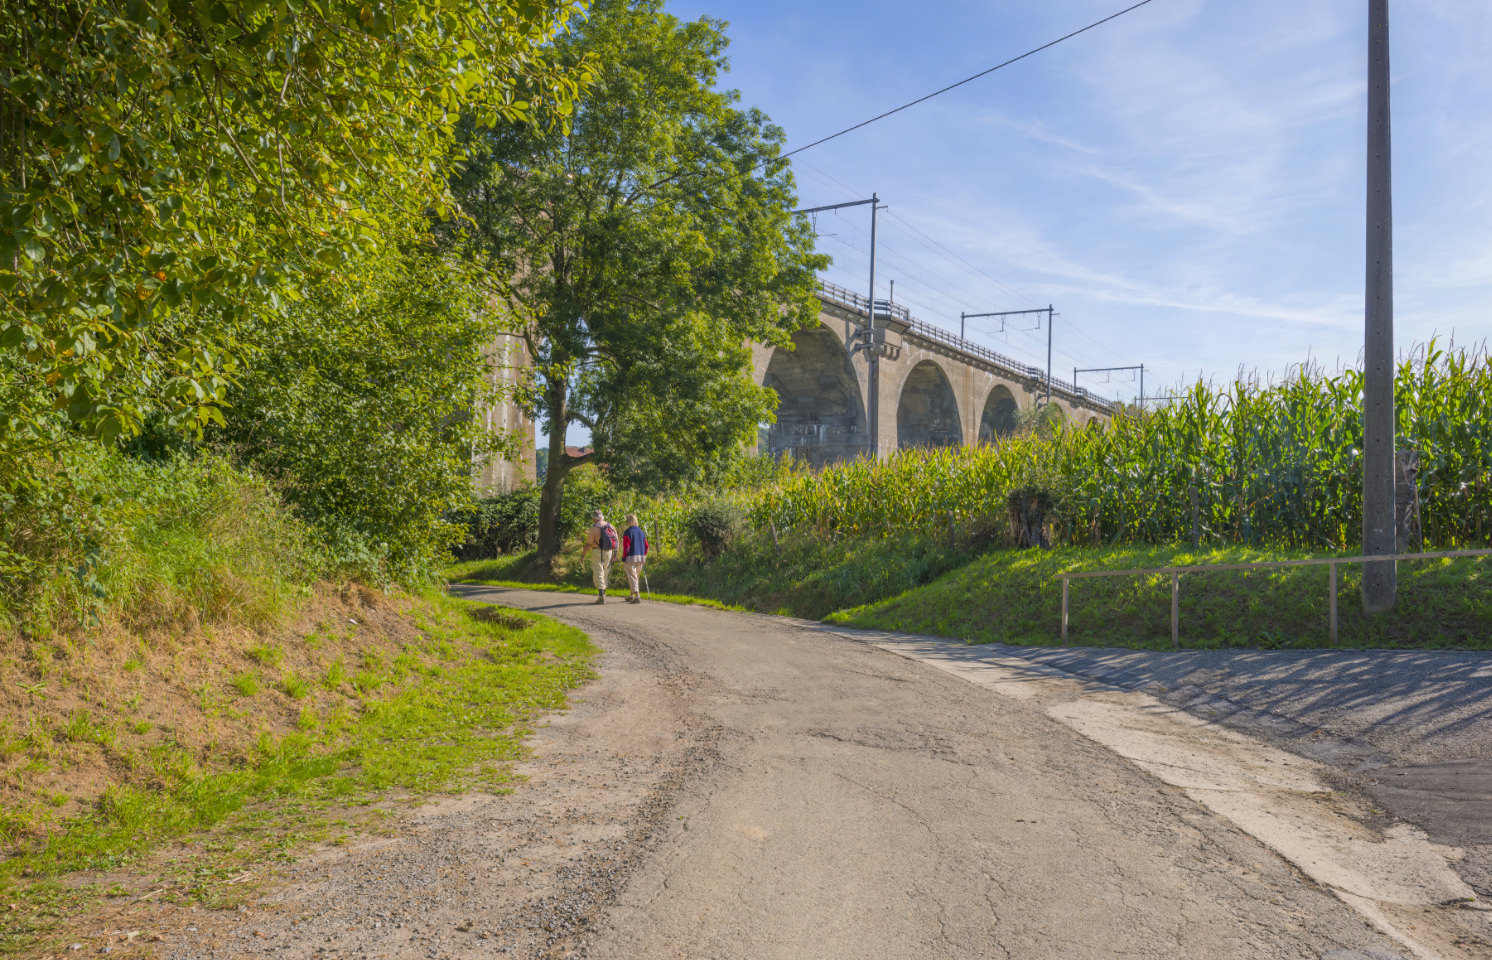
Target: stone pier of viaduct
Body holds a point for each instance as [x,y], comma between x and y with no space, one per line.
[935,388]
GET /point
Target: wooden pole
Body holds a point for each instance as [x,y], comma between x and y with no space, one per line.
[1175,609]
[1065,584]
[1332,600]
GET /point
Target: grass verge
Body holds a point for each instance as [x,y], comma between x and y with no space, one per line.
[498,573]
[1013,597]
[440,705]
[799,575]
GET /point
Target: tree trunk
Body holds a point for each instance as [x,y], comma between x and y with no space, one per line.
[553,493]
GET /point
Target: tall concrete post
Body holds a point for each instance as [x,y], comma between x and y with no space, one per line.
[1379,583]
[874,411]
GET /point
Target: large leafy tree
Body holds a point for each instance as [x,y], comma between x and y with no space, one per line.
[640,247]
[173,167]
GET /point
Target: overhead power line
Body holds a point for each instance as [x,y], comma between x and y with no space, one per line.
[912,103]
[953,86]
[938,249]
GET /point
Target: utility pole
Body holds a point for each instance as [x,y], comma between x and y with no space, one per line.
[1050,319]
[867,334]
[873,417]
[1379,580]
[1130,369]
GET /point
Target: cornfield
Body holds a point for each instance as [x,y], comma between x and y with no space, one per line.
[1267,464]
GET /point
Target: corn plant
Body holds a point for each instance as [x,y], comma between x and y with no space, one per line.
[1267,464]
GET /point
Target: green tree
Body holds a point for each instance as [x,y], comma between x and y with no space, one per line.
[361,404]
[640,247]
[170,166]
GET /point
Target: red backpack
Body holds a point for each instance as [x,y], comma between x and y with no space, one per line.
[607,540]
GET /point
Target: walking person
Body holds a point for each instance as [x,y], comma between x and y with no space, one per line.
[634,555]
[600,540]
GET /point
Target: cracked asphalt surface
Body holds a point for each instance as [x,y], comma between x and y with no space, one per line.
[861,805]
[1412,729]
[739,786]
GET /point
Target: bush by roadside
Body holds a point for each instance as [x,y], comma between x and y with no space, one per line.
[149,544]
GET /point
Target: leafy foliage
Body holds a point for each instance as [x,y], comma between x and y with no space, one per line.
[641,247]
[714,525]
[505,523]
[361,404]
[173,167]
[167,542]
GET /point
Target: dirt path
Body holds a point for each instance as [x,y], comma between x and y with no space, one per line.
[754,787]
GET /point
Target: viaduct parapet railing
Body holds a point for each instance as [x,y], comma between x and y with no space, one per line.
[971,351]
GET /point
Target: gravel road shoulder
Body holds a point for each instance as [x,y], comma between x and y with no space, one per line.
[516,875]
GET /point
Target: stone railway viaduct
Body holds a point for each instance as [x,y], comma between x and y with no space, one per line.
[936,389]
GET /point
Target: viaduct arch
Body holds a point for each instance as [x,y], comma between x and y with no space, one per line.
[821,409]
[936,389]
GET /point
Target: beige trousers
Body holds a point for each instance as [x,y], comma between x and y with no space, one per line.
[600,565]
[634,571]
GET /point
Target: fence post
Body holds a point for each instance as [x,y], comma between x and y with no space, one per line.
[1332,603]
[1065,583]
[1175,609]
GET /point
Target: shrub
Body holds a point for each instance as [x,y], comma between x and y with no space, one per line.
[360,404]
[714,526]
[86,531]
[505,523]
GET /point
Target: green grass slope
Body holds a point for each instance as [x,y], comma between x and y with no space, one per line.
[1014,597]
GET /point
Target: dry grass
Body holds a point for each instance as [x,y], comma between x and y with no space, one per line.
[108,706]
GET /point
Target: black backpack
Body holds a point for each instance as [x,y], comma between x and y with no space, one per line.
[608,537]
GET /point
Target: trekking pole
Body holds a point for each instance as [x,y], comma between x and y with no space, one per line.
[645,581]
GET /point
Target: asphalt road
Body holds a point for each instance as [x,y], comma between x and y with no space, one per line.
[744,787]
[866,804]
[1411,729]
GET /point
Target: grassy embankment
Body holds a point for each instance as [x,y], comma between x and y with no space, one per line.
[1014,597]
[1011,596]
[208,705]
[800,577]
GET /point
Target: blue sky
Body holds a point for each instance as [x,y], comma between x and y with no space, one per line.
[1185,184]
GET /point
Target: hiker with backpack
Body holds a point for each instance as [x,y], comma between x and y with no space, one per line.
[634,555]
[600,540]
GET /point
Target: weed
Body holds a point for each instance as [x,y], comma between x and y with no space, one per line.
[266,655]
[246,683]
[82,728]
[367,681]
[336,672]
[295,687]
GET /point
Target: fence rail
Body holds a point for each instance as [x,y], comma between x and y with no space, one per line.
[1176,572]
